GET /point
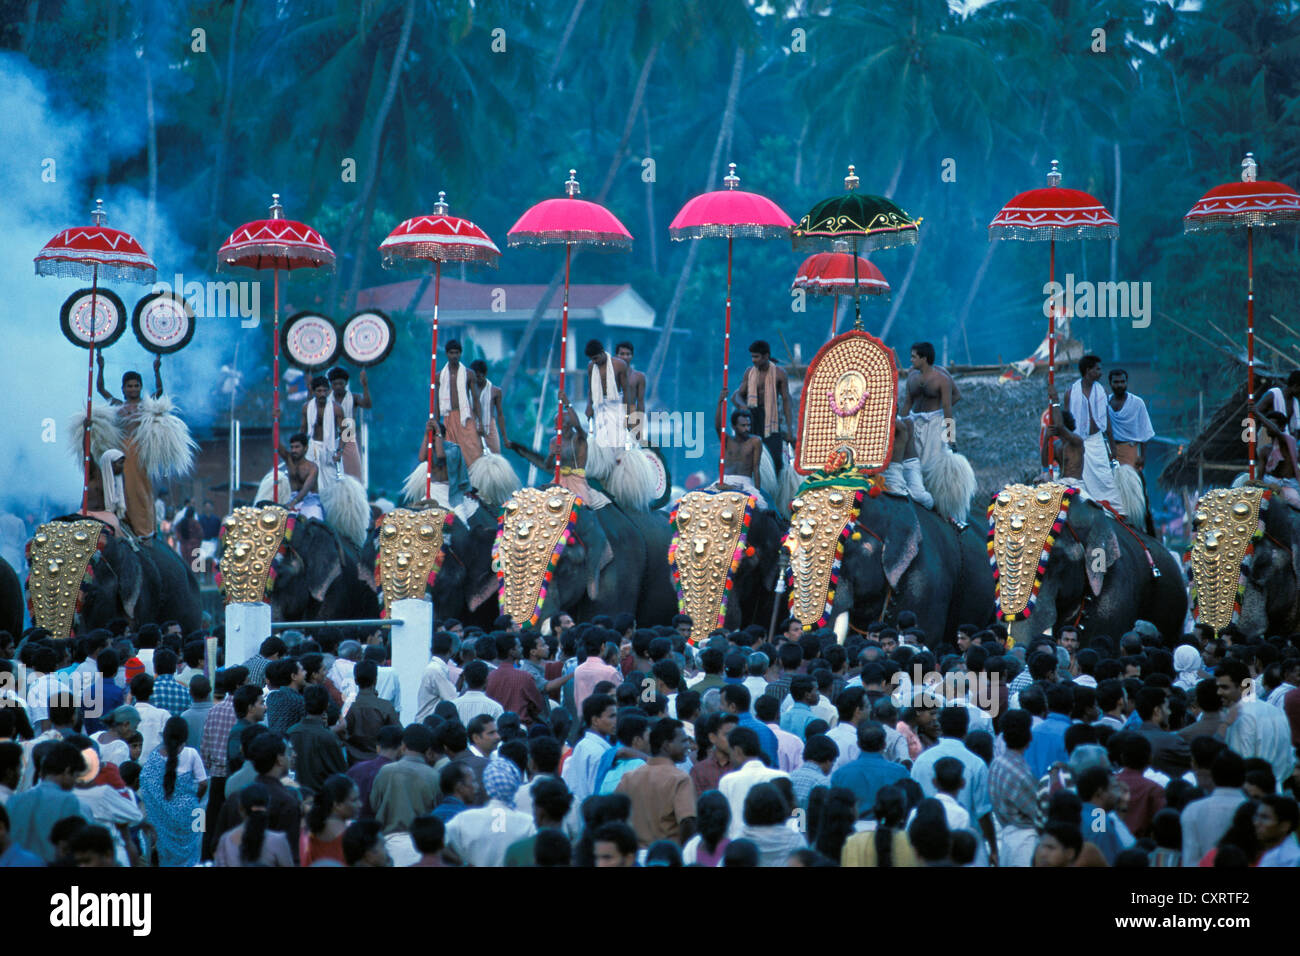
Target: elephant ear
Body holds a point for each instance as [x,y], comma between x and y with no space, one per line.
[130,578]
[1101,552]
[598,551]
[902,543]
[326,563]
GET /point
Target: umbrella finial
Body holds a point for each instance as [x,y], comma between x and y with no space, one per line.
[1054,175]
[731,180]
[571,187]
[277,211]
[1248,167]
[840,245]
[440,207]
[98,213]
[851,180]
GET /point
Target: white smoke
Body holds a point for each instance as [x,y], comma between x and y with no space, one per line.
[48,167]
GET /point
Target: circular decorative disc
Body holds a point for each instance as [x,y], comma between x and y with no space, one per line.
[368,337]
[663,480]
[163,322]
[311,341]
[108,324]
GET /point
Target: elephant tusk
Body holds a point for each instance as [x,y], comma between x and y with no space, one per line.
[841,626]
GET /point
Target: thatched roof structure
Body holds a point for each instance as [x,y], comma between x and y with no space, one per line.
[997,427]
[1217,454]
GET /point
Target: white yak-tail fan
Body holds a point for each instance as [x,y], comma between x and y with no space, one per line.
[346,506]
[494,479]
[951,482]
[632,481]
[105,433]
[162,439]
[1131,499]
[264,488]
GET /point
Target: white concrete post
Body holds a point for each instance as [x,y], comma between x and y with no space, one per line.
[247,626]
[412,651]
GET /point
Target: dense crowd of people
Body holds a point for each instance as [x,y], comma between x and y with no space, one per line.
[605,744]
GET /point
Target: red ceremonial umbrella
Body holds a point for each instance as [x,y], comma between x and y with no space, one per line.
[437,238]
[1053,214]
[1248,203]
[833,273]
[84,252]
[276,243]
[729,212]
[574,222]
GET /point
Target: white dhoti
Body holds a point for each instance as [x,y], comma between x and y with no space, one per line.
[310,507]
[1098,477]
[904,478]
[1016,846]
[743,483]
[948,477]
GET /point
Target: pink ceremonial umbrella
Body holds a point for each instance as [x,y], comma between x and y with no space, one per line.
[729,212]
[574,222]
[834,274]
[1252,204]
[275,243]
[84,252]
[437,238]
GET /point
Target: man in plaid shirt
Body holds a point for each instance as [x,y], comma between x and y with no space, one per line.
[216,738]
[272,649]
[1014,792]
[169,693]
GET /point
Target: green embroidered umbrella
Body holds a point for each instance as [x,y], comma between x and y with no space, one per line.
[868,222]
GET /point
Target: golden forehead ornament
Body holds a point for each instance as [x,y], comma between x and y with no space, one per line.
[251,538]
[708,533]
[60,554]
[1021,519]
[534,528]
[410,550]
[1224,525]
[818,520]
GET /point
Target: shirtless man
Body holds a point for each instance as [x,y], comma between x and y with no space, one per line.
[349,402]
[929,395]
[571,446]
[458,408]
[140,513]
[1277,457]
[635,393]
[1284,399]
[1063,442]
[490,403]
[302,479]
[322,422]
[744,450]
[762,387]
[929,389]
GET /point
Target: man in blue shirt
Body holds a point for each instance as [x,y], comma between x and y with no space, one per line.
[1098,824]
[33,813]
[974,795]
[459,788]
[11,854]
[870,772]
[735,700]
[1048,744]
[803,689]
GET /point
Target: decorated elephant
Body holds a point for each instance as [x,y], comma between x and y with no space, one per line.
[553,556]
[1246,538]
[77,560]
[313,572]
[1096,570]
[726,570]
[463,584]
[893,555]
[11,600]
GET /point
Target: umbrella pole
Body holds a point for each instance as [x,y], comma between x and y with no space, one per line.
[90,393]
[857,297]
[1051,338]
[835,315]
[275,399]
[726,359]
[433,378]
[1250,342]
[564,357]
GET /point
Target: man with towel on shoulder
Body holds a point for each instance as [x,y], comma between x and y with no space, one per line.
[458,406]
[1086,401]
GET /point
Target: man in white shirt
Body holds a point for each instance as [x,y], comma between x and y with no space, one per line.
[152,718]
[756,681]
[480,836]
[342,670]
[475,701]
[599,715]
[1284,400]
[1276,822]
[750,771]
[852,704]
[974,796]
[1086,401]
[1290,681]
[435,683]
[387,686]
[1205,821]
[1250,726]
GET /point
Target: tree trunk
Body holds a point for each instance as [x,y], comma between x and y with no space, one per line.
[1114,254]
[223,135]
[902,292]
[535,320]
[29,32]
[564,40]
[659,359]
[373,154]
[970,297]
[151,217]
[652,231]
